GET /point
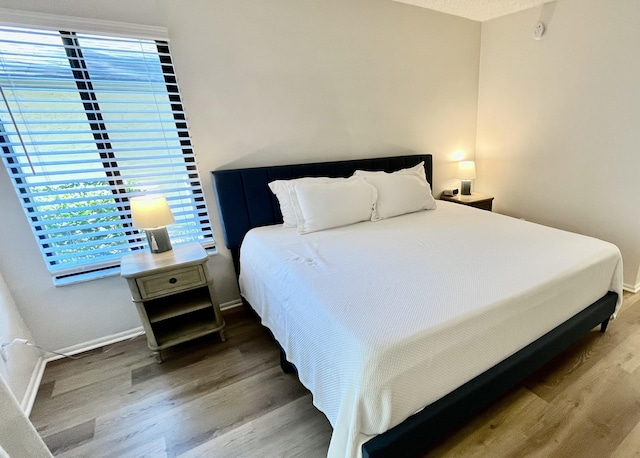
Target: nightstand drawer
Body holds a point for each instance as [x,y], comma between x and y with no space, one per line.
[170,282]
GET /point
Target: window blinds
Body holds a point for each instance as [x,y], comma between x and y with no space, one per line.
[101,120]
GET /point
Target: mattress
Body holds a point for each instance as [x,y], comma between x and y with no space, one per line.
[382,318]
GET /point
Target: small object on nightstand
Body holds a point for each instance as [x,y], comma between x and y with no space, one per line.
[466,173]
[450,192]
[174,294]
[480,201]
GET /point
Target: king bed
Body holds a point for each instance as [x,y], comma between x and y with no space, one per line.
[405,321]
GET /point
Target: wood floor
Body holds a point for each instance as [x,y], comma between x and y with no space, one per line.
[213,399]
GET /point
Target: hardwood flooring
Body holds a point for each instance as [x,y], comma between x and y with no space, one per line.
[230,399]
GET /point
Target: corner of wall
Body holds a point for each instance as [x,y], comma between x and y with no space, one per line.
[23,363]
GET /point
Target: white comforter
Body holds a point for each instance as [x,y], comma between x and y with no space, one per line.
[383,318]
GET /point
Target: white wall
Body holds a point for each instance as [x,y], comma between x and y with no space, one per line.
[268,83]
[20,369]
[558,135]
[18,436]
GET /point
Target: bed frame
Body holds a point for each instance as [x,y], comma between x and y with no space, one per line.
[245,201]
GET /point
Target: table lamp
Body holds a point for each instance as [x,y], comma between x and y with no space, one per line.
[152,213]
[466,173]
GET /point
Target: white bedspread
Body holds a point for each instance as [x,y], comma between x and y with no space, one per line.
[383,318]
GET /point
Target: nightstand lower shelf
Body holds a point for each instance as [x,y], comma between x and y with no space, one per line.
[164,308]
[186,327]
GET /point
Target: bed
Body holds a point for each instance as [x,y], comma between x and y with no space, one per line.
[380,352]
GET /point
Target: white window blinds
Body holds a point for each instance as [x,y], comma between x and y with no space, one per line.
[88,122]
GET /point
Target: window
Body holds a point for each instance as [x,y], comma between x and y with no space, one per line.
[86,122]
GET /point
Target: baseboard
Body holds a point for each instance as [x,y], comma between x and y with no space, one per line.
[113,338]
[231,304]
[32,388]
[93,344]
[631,289]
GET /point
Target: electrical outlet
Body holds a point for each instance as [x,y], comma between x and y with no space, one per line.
[3,347]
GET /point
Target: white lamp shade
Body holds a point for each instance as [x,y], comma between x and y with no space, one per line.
[466,170]
[149,212]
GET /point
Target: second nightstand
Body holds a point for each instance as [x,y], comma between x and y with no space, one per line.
[480,201]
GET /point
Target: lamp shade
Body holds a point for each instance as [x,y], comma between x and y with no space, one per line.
[466,170]
[149,212]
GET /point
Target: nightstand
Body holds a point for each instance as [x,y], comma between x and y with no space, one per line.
[174,294]
[474,200]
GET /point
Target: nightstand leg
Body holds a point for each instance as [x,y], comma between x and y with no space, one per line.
[158,356]
[223,337]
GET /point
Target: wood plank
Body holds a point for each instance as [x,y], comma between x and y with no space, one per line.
[630,446]
[500,428]
[54,414]
[186,424]
[155,448]
[275,434]
[71,438]
[116,361]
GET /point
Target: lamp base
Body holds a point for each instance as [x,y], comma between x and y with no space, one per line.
[465,187]
[158,240]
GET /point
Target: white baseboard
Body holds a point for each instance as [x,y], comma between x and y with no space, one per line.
[92,344]
[231,304]
[32,388]
[631,289]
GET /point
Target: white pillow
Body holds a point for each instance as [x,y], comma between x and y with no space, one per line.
[283,189]
[333,204]
[400,192]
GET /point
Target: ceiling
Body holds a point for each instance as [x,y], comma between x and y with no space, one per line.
[478,10]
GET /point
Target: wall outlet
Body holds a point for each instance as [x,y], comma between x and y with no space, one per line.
[3,347]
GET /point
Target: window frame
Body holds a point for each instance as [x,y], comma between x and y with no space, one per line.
[82,78]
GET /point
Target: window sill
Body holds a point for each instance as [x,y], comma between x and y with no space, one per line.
[104,273]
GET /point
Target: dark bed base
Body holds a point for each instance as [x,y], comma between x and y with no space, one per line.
[245,201]
[418,432]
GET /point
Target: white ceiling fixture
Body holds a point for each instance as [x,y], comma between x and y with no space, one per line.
[477,10]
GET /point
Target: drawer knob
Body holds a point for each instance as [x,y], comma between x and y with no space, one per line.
[173,280]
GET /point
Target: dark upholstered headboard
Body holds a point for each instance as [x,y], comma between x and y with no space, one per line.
[245,200]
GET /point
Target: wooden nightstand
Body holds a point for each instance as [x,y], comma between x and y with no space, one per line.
[174,294]
[474,200]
